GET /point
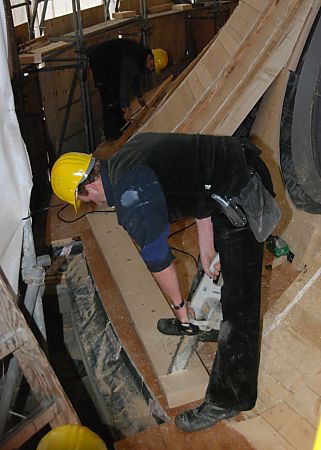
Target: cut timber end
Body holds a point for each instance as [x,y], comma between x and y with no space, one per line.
[124,14]
[160,8]
[146,304]
[182,6]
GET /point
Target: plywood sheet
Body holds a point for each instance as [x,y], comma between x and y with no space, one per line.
[146,304]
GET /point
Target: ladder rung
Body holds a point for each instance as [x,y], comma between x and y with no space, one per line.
[29,427]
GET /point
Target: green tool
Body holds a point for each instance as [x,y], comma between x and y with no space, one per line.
[278,247]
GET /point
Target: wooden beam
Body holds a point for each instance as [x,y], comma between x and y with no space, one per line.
[182,6]
[159,8]
[146,304]
[124,14]
[28,427]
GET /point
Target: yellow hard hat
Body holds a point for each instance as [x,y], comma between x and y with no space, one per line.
[68,172]
[160,59]
[71,437]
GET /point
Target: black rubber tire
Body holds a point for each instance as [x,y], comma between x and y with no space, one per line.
[300,128]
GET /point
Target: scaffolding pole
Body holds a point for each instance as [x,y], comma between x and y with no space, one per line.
[82,67]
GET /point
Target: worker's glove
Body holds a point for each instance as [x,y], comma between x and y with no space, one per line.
[141,101]
[127,113]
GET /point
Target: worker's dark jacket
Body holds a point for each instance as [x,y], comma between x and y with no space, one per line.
[159,177]
[119,64]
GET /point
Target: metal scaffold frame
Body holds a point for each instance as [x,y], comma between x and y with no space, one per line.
[79,63]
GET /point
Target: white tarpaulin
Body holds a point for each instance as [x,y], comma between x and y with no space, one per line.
[15,171]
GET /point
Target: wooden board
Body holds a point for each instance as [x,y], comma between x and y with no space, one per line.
[160,8]
[124,14]
[29,58]
[146,304]
[182,7]
[35,56]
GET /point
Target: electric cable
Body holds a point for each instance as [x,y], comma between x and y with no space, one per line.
[181,229]
[182,251]
[185,253]
[80,217]
[41,210]
[104,211]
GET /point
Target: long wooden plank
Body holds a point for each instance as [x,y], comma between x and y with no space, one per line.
[214,65]
[118,314]
[146,304]
[237,82]
[258,64]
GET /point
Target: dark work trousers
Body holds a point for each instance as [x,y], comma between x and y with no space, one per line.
[112,113]
[233,378]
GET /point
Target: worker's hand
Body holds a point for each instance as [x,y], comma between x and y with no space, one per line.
[212,272]
[141,101]
[127,113]
[190,311]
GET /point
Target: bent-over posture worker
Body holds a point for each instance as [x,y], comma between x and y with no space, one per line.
[159,177]
[117,66]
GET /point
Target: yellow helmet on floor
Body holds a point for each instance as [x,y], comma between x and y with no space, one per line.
[160,59]
[69,437]
[68,172]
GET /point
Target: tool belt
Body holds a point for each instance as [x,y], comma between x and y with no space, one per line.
[254,205]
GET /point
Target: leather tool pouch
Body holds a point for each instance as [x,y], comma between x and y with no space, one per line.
[261,209]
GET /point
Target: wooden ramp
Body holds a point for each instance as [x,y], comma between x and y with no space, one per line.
[232,75]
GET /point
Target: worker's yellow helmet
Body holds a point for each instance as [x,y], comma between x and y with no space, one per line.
[68,172]
[67,437]
[160,59]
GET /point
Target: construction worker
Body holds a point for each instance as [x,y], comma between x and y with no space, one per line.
[159,177]
[117,66]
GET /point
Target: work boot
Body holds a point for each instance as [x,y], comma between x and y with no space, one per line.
[204,416]
[173,327]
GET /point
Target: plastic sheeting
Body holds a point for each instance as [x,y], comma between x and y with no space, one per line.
[15,171]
